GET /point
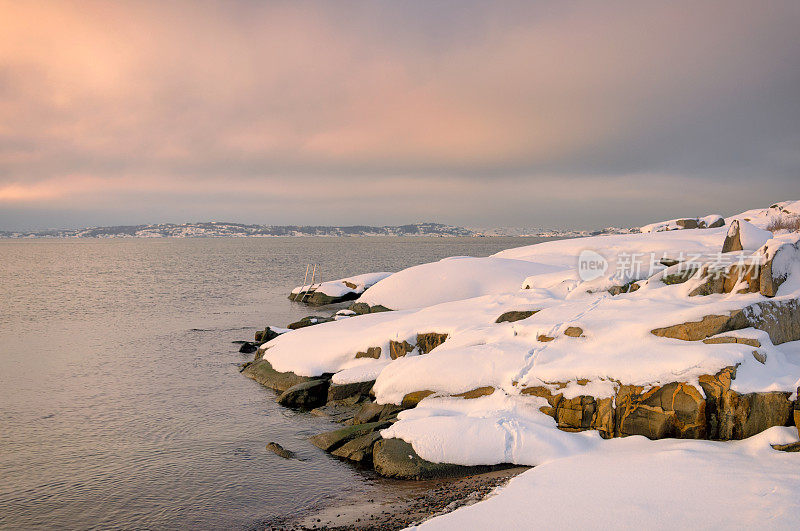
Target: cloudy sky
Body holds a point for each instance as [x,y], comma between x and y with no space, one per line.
[557,114]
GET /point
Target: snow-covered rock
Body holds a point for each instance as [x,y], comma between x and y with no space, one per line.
[572,364]
[333,291]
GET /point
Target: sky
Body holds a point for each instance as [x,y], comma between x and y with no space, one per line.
[560,114]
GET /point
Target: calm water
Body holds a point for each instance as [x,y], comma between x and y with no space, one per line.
[121,403]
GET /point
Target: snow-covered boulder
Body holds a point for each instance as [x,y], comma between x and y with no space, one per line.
[711,221]
[452,279]
[333,291]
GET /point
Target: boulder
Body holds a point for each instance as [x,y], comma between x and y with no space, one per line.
[359,308]
[378,308]
[262,372]
[305,395]
[359,449]
[309,321]
[331,440]
[719,222]
[414,398]
[687,223]
[515,315]
[573,331]
[429,341]
[395,458]
[779,319]
[268,334]
[776,267]
[373,412]
[279,450]
[343,391]
[372,352]
[733,240]
[248,347]
[398,349]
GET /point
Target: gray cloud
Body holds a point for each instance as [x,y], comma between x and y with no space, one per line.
[555,114]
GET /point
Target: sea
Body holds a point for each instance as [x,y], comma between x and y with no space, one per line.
[121,401]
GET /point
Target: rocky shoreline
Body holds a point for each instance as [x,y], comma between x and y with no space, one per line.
[401,505]
[702,359]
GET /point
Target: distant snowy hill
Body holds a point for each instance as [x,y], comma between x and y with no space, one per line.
[216,229]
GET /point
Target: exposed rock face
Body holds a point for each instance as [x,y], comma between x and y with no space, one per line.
[398,349]
[309,321]
[395,458]
[305,395]
[710,325]
[279,450]
[429,341]
[688,223]
[674,410]
[573,331]
[779,319]
[733,241]
[343,391]
[378,308]
[476,393]
[331,440]
[414,398]
[515,315]
[262,372]
[719,222]
[372,352]
[737,416]
[796,412]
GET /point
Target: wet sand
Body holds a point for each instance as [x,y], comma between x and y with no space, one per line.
[403,504]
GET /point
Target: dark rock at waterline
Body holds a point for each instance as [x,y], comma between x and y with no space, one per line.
[279,450]
[305,395]
[317,298]
[248,347]
[343,391]
[395,458]
[373,412]
[268,334]
[331,440]
[309,321]
[359,449]
[262,372]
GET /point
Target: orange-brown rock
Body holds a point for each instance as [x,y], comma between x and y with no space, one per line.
[476,393]
[398,349]
[429,341]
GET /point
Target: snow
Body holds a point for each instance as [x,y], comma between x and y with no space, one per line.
[635,483]
[672,224]
[462,297]
[451,279]
[751,236]
[339,288]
